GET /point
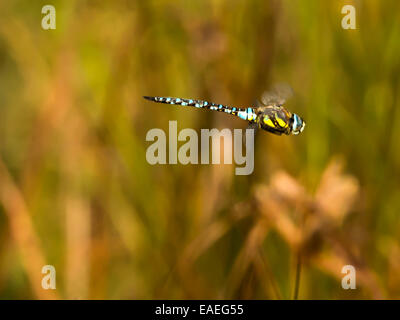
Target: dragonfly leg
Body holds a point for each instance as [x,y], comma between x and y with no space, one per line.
[252,126]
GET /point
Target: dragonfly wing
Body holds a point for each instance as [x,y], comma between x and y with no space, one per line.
[277,95]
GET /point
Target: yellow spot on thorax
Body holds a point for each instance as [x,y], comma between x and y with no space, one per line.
[268,122]
[281,122]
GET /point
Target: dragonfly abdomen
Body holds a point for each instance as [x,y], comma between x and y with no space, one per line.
[243,113]
[183,102]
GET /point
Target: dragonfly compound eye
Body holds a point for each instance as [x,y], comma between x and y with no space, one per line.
[298,124]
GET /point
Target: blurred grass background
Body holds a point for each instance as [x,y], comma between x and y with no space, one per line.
[76,191]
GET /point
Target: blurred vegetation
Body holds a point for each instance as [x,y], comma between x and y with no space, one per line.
[76,191]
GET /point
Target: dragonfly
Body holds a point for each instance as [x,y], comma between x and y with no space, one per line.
[268,113]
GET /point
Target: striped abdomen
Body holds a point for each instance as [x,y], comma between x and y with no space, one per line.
[243,113]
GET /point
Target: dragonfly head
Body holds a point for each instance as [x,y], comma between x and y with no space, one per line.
[298,124]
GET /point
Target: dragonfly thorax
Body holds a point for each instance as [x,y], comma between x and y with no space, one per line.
[276,120]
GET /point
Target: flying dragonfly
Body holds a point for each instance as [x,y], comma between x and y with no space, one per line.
[268,113]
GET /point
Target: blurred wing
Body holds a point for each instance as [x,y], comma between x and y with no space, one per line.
[277,95]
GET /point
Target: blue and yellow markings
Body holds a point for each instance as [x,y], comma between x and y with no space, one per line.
[245,114]
[297,121]
[276,122]
[268,122]
[250,114]
[281,122]
[242,115]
